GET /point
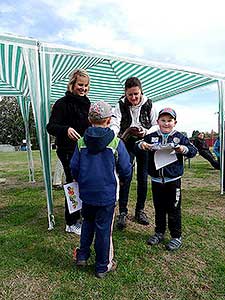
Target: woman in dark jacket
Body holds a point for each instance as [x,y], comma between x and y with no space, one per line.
[68,121]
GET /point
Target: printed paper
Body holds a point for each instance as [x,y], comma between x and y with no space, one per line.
[72,196]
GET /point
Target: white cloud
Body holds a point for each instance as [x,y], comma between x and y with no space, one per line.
[100,36]
[66,9]
[6,8]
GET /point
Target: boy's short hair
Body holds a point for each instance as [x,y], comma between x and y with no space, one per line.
[168,111]
[100,110]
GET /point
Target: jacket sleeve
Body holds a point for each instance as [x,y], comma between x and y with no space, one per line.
[56,125]
[191,149]
[75,163]
[124,167]
[216,148]
[116,119]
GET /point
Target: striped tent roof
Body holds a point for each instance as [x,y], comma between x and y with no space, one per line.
[108,74]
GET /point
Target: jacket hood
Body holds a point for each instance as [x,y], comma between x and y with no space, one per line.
[97,138]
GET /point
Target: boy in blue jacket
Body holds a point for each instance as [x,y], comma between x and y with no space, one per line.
[99,162]
[166,181]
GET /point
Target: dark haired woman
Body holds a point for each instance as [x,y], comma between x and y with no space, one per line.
[134,117]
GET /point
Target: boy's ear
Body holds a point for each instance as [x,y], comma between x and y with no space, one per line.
[108,120]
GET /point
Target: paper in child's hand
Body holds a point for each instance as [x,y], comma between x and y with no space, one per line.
[164,156]
[72,196]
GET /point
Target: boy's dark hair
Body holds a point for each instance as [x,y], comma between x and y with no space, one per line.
[132,82]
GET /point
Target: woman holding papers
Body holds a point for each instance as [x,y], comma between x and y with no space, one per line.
[134,116]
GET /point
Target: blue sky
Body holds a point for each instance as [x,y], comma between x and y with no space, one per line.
[186,33]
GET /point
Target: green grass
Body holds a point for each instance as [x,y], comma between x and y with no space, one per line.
[37,264]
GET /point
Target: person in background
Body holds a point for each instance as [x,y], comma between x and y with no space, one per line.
[100,160]
[216,149]
[134,116]
[204,151]
[68,121]
[166,180]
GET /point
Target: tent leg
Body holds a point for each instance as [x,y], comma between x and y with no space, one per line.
[221,88]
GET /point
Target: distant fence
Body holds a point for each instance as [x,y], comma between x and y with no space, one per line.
[7,148]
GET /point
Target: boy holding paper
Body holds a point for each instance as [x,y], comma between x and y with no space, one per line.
[100,160]
[166,150]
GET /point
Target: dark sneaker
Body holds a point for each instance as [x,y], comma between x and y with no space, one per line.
[141,217]
[79,263]
[112,269]
[121,221]
[155,239]
[174,244]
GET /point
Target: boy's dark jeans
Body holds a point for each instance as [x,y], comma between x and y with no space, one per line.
[167,202]
[142,182]
[65,160]
[97,221]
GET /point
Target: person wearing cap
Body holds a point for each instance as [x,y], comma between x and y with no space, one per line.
[68,121]
[134,117]
[166,177]
[99,163]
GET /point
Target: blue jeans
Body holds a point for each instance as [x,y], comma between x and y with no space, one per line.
[142,182]
[98,222]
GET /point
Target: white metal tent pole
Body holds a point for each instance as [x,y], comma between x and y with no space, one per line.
[221,88]
[45,77]
[38,99]
[24,104]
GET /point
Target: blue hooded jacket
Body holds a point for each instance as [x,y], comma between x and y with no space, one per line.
[99,161]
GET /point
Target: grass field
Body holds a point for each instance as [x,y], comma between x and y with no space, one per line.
[37,264]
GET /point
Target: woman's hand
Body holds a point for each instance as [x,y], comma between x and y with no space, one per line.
[73,134]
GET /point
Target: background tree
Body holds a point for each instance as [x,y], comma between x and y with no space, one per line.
[12,125]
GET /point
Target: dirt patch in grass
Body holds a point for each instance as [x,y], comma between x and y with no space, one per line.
[24,286]
[13,182]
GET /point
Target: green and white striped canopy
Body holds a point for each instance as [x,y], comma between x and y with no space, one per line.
[38,73]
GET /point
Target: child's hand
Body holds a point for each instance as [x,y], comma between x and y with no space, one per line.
[179,149]
[145,146]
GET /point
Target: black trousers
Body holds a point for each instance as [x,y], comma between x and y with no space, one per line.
[209,156]
[167,204]
[142,182]
[65,160]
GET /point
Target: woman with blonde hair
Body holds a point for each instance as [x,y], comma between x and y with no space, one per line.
[68,121]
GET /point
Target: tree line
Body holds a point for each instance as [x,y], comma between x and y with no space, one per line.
[12,124]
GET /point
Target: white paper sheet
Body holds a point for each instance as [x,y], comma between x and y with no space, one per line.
[72,196]
[164,156]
